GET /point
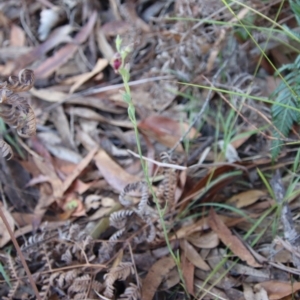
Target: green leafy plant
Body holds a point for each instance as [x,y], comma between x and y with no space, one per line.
[120,67]
[287,93]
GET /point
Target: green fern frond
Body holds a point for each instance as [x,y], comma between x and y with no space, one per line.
[287,93]
[295,6]
[291,33]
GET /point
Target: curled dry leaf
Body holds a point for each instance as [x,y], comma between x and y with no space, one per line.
[4,236]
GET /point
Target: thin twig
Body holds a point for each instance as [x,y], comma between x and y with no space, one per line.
[182,168]
[202,110]
[134,266]
[93,91]
[25,266]
[160,164]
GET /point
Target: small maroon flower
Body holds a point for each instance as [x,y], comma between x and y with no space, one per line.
[116,62]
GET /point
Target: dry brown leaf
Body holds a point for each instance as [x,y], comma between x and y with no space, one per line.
[73,206]
[90,114]
[49,95]
[213,293]
[53,178]
[248,292]
[4,20]
[62,124]
[271,84]
[100,66]
[202,225]
[278,289]
[231,241]
[165,130]
[104,104]
[246,198]
[36,180]
[4,236]
[129,12]
[48,19]
[115,176]
[193,256]
[260,293]
[64,54]
[63,153]
[188,274]
[237,142]
[57,37]
[208,240]
[17,36]
[155,276]
[103,45]
[115,27]
[79,168]
[80,187]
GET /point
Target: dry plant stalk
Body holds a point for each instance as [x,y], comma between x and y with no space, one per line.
[14,109]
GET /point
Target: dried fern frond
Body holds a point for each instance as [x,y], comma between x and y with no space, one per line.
[167,188]
[12,267]
[131,293]
[12,291]
[17,113]
[105,252]
[34,240]
[118,219]
[121,272]
[5,149]
[152,232]
[139,186]
[15,110]
[144,199]
[21,83]
[44,293]
[116,236]
[80,284]
[67,257]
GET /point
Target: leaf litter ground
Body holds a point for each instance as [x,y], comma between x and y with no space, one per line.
[83,221]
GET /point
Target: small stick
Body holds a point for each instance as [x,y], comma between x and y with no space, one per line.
[36,292]
[183,168]
[97,90]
